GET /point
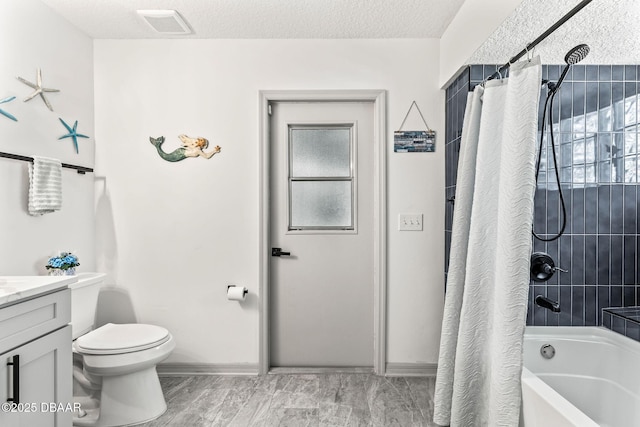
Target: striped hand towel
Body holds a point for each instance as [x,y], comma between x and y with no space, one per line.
[45,186]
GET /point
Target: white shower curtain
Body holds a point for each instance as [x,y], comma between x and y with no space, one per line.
[480,362]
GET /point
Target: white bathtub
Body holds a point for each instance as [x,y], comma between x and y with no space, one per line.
[593,379]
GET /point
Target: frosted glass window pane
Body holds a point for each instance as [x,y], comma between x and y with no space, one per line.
[321,204]
[321,152]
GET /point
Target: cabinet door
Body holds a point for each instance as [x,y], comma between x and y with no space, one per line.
[45,372]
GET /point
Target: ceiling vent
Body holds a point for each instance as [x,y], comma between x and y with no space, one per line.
[165,21]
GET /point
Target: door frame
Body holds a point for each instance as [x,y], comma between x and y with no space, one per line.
[378,98]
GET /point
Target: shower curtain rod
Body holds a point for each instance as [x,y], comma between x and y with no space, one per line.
[80,169]
[540,38]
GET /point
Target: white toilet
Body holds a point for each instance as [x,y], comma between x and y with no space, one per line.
[114,372]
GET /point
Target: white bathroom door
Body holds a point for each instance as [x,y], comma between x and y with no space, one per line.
[321,230]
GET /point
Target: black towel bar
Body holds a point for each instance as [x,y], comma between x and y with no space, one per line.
[80,169]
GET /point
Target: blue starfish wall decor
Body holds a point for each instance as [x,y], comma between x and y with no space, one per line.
[73,134]
[39,90]
[4,113]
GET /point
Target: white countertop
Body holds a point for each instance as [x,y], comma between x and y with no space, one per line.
[14,288]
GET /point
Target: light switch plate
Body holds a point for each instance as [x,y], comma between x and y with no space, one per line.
[410,222]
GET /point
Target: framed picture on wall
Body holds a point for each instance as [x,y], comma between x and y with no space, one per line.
[414,141]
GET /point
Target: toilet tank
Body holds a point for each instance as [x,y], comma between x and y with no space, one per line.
[84,301]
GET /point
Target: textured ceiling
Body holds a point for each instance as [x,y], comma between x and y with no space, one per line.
[117,19]
[610,27]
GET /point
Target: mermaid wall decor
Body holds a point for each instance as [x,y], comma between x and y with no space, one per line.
[191,147]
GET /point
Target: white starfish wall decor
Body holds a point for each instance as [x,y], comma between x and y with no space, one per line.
[39,90]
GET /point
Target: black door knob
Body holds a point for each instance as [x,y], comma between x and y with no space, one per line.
[279,252]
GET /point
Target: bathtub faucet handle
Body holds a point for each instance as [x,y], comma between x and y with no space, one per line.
[543,267]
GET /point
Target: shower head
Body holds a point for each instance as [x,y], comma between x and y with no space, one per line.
[577,54]
[572,57]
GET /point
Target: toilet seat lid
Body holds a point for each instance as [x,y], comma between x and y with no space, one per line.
[123,338]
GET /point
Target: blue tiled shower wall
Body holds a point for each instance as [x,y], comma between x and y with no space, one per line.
[596,122]
[623,320]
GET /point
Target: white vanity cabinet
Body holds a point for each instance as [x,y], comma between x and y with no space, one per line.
[36,361]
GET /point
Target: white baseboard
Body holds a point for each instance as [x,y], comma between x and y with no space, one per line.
[411,369]
[179,369]
[317,370]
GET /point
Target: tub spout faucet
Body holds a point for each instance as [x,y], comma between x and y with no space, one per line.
[548,304]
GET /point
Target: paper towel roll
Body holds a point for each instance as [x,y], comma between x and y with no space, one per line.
[236,293]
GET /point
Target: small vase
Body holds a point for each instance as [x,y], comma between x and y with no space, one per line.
[59,272]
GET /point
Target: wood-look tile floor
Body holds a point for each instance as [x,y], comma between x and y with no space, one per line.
[297,400]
